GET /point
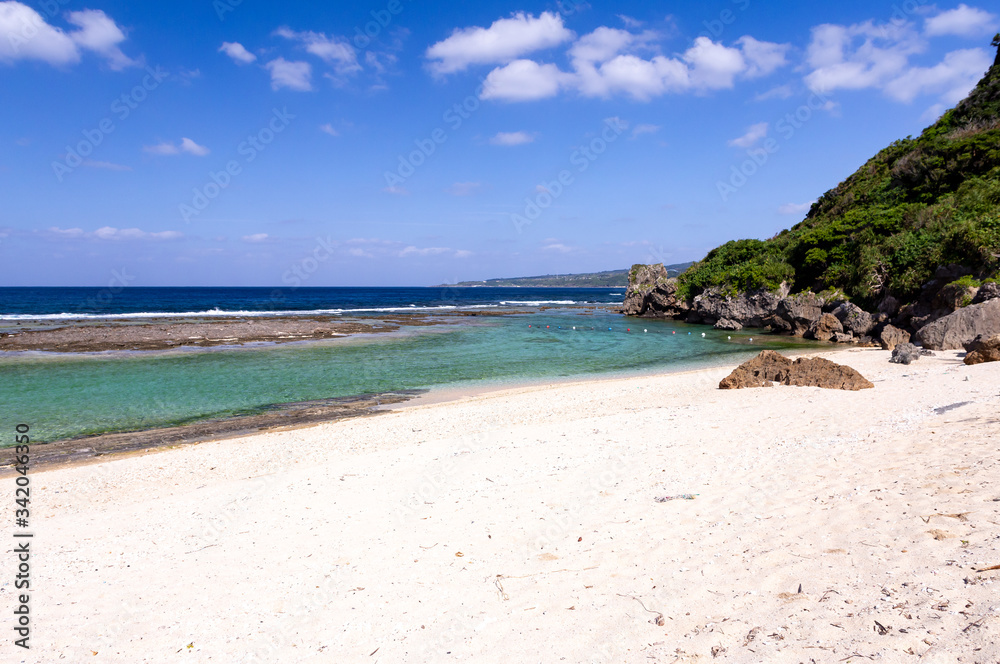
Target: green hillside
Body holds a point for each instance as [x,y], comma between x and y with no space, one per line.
[918,204]
[610,279]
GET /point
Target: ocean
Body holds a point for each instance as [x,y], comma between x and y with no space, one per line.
[570,333]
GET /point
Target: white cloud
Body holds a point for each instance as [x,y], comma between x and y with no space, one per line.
[522,80]
[328,129]
[508,138]
[558,247]
[754,133]
[795,208]
[166,149]
[859,56]
[334,51]
[779,92]
[762,58]
[25,35]
[360,253]
[425,251]
[953,78]
[396,191]
[505,40]
[98,33]
[645,129]
[189,146]
[869,56]
[237,52]
[629,21]
[606,62]
[963,21]
[256,238]
[114,234]
[291,75]
[464,188]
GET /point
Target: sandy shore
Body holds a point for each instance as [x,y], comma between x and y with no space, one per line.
[522,526]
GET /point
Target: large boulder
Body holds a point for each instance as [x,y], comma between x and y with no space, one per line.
[983,349]
[955,330]
[893,336]
[825,328]
[905,354]
[854,319]
[729,325]
[770,367]
[800,311]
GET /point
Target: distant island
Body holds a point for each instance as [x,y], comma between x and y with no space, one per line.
[609,279]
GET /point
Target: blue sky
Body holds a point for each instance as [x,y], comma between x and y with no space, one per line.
[396,142]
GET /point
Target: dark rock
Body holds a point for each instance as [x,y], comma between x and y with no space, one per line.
[956,329]
[648,285]
[888,306]
[854,318]
[727,324]
[751,309]
[905,353]
[800,311]
[990,291]
[893,336]
[984,348]
[770,367]
[824,328]
[844,337]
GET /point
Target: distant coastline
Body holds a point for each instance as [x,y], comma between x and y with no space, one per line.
[607,279]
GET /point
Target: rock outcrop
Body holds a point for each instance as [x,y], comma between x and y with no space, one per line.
[854,319]
[986,292]
[956,329]
[652,293]
[983,349]
[770,367]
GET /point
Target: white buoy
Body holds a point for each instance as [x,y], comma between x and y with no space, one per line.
[645,331]
[574,327]
[730,338]
[702,334]
[751,339]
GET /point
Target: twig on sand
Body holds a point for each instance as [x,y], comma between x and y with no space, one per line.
[960,516]
[428,547]
[503,593]
[201,549]
[977,624]
[857,654]
[988,569]
[659,621]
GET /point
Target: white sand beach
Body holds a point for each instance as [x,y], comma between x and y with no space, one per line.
[522,526]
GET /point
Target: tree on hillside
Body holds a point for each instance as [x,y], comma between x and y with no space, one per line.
[996,43]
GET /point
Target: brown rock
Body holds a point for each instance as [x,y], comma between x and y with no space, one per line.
[983,349]
[957,329]
[893,336]
[770,367]
[825,327]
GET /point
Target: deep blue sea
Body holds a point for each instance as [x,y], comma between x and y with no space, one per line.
[563,336]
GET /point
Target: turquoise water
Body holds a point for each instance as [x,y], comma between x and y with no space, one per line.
[63,396]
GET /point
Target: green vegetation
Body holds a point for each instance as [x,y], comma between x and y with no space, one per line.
[918,204]
[610,279]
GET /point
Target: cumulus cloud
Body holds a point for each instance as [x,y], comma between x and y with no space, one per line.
[105,165]
[256,238]
[167,149]
[505,40]
[292,75]
[25,35]
[869,56]
[328,129]
[523,80]
[610,61]
[509,138]
[963,21]
[109,233]
[237,52]
[795,208]
[754,133]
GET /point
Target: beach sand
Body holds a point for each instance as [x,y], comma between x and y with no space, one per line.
[522,526]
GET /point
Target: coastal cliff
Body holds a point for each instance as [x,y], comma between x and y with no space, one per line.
[908,240]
